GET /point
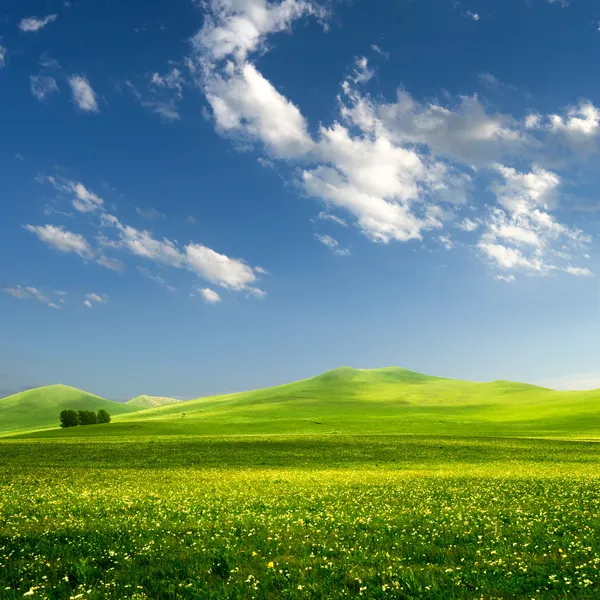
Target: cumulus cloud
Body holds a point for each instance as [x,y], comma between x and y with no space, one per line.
[235,29]
[468,225]
[210,296]
[333,245]
[42,86]
[3,53]
[219,269]
[30,24]
[522,234]
[82,199]
[88,304]
[62,240]
[246,105]
[83,93]
[55,306]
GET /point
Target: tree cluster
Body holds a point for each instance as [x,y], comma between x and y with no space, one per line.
[72,418]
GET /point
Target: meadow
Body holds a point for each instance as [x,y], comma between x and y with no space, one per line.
[329,516]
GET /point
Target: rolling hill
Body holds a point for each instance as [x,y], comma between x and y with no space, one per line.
[381,401]
[142,402]
[39,408]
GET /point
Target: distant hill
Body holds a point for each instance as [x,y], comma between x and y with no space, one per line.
[151,401]
[388,401]
[354,401]
[39,408]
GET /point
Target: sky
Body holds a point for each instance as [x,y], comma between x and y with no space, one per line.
[212,196]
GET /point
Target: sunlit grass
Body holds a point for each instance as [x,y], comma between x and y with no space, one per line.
[299,517]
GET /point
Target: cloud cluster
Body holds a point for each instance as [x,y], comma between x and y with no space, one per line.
[114,236]
[397,169]
[25,293]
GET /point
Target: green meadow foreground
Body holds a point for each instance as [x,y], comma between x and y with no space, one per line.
[153,507]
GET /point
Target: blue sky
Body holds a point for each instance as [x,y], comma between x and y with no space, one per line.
[214,196]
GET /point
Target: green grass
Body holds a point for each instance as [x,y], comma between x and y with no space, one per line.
[299,517]
[308,491]
[40,408]
[142,402]
[390,401]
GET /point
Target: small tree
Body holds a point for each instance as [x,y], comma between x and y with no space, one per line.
[103,416]
[87,417]
[68,418]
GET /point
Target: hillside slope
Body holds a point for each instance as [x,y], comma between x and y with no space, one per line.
[386,401]
[40,408]
[143,402]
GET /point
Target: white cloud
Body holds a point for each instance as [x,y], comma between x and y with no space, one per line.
[114,264]
[580,125]
[466,133]
[83,93]
[506,278]
[333,218]
[37,294]
[468,225]
[24,293]
[16,292]
[3,53]
[446,241]
[210,296]
[523,235]
[519,191]
[333,245]
[381,52]
[362,73]
[103,299]
[472,15]
[394,167]
[246,105]
[230,273]
[219,269]
[42,86]
[237,27]
[84,200]
[30,24]
[62,240]
[173,80]
[87,303]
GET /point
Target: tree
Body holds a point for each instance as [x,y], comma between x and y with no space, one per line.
[103,416]
[68,418]
[87,417]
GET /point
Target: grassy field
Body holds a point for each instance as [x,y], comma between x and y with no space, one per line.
[299,517]
[392,400]
[319,498]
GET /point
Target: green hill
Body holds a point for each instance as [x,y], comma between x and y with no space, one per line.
[381,401]
[39,408]
[142,402]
